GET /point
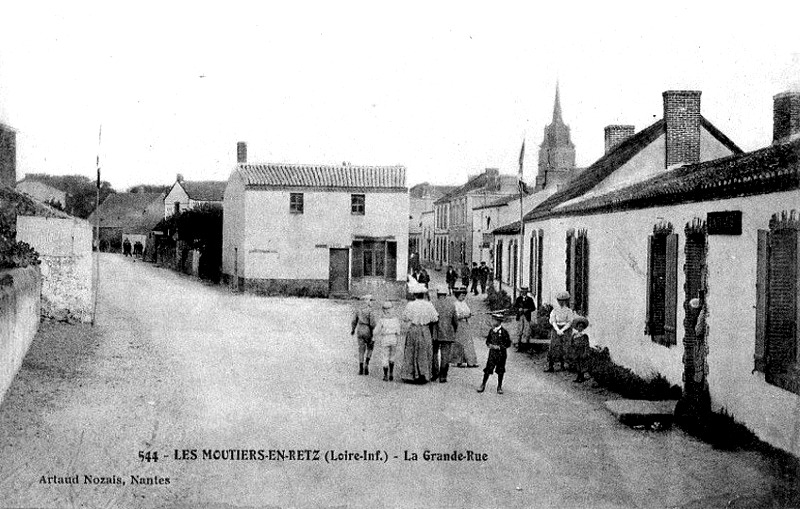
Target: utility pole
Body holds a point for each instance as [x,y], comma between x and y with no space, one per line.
[97,232]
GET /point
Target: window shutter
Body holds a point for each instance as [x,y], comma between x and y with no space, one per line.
[649,310]
[671,291]
[761,300]
[539,263]
[570,286]
[499,262]
[391,261]
[531,263]
[781,330]
[357,264]
[585,275]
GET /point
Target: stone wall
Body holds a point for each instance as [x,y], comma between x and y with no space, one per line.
[293,287]
[65,248]
[20,291]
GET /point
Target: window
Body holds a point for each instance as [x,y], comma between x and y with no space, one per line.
[374,258]
[577,274]
[296,203]
[776,349]
[498,264]
[357,202]
[662,285]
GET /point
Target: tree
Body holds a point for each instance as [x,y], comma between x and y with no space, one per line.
[81,192]
[198,228]
[148,188]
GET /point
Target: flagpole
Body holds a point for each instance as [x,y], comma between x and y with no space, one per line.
[97,231]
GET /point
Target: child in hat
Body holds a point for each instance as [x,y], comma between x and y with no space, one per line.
[498,342]
[388,330]
[580,346]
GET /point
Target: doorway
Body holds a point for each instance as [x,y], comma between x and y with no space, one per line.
[339,277]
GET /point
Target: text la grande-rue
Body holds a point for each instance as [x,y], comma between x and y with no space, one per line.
[135,480]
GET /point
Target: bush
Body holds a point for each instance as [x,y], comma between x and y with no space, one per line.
[15,254]
[497,300]
[627,383]
[540,328]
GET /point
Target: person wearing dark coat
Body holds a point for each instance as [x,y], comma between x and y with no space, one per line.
[444,334]
[126,247]
[465,276]
[475,275]
[424,278]
[498,342]
[484,272]
[524,307]
[451,277]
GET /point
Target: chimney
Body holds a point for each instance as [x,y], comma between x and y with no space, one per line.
[241,152]
[682,117]
[179,177]
[786,116]
[616,134]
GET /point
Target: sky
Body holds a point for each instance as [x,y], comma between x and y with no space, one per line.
[444,88]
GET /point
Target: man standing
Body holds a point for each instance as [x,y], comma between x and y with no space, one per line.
[451,277]
[484,276]
[363,322]
[524,306]
[424,278]
[465,276]
[444,334]
[475,275]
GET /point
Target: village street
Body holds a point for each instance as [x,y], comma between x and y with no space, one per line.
[174,364]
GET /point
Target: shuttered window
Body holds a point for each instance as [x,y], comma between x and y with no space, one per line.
[499,260]
[776,349]
[539,266]
[662,288]
[577,271]
[391,261]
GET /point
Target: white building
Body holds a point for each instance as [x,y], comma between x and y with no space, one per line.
[185,195]
[38,190]
[316,230]
[677,212]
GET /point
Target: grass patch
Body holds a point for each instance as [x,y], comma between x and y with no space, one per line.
[627,383]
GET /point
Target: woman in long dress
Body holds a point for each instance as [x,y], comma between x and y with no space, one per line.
[463,348]
[418,352]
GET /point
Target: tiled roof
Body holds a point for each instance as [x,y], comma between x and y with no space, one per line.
[771,169]
[304,175]
[479,182]
[600,170]
[204,190]
[124,209]
[610,162]
[504,200]
[509,229]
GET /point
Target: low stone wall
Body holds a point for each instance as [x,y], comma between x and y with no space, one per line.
[292,287]
[379,288]
[65,248]
[20,291]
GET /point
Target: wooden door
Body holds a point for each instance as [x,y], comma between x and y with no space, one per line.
[339,281]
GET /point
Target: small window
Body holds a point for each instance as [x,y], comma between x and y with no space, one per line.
[357,202]
[296,203]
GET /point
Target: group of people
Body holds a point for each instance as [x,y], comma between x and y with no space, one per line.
[436,334]
[568,339]
[478,275]
[138,248]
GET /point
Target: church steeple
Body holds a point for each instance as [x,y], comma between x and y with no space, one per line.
[557,108]
[556,153]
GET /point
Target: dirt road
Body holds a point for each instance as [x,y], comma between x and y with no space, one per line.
[186,370]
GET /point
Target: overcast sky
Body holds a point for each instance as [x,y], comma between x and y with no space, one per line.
[445,89]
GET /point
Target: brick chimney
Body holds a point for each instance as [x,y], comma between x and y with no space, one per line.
[786,116]
[616,134]
[241,152]
[179,177]
[682,117]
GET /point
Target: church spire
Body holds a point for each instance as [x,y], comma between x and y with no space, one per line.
[557,107]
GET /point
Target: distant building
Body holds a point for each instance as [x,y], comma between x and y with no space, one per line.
[316,230]
[453,224]
[421,198]
[127,215]
[185,195]
[556,153]
[8,156]
[45,193]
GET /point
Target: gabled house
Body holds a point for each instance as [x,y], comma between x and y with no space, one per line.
[45,193]
[310,230]
[127,215]
[185,194]
[712,224]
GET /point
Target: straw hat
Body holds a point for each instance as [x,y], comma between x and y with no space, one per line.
[580,320]
[387,305]
[562,296]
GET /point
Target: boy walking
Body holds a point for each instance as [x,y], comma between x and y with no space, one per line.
[498,342]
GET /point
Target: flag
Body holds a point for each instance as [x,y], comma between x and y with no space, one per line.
[522,187]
